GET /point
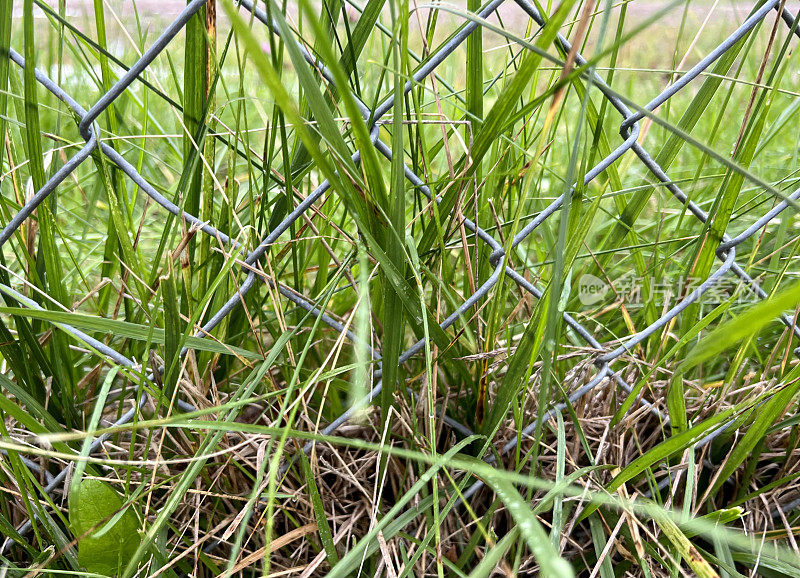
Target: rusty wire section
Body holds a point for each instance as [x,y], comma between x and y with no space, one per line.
[629,132]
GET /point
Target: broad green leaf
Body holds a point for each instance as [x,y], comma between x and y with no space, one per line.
[106,539]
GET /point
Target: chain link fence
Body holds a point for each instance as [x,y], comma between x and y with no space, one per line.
[630,119]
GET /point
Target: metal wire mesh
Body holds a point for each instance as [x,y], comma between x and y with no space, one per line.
[629,131]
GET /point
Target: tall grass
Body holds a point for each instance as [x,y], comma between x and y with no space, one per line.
[227,468]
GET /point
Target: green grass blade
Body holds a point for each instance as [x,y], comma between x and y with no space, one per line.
[5,44]
[531,529]
[742,326]
[323,527]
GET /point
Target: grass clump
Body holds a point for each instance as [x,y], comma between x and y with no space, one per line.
[303,212]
